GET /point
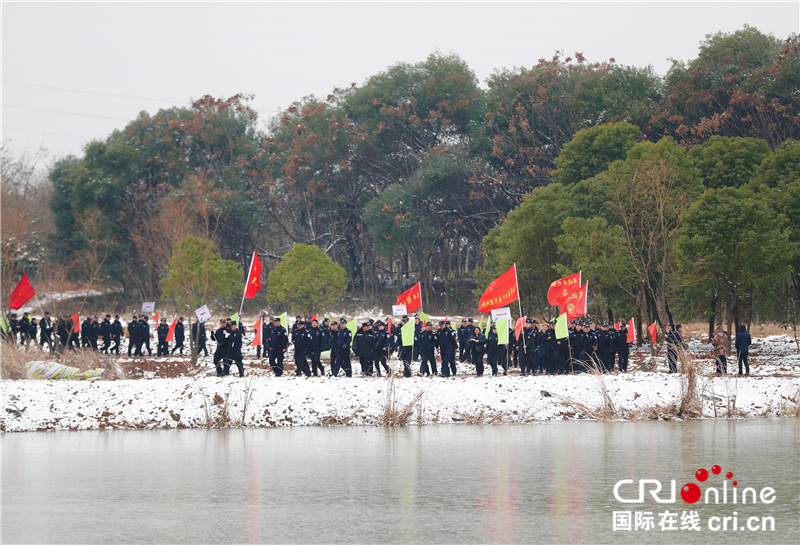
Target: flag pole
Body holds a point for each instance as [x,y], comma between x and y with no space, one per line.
[247,283]
[519,302]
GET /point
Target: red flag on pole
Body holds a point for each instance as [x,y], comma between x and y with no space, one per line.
[253,284]
[631,332]
[22,293]
[155,317]
[502,291]
[389,326]
[575,304]
[314,317]
[653,332]
[562,288]
[259,330]
[519,326]
[411,298]
[76,322]
[171,334]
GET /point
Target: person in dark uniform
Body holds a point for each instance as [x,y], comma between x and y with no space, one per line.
[221,337]
[742,345]
[478,348]
[492,348]
[325,329]
[133,334]
[234,354]
[302,339]
[145,333]
[162,331]
[46,331]
[179,336]
[333,332]
[33,328]
[603,349]
[278,344]
[674,341]
[427,350]
[623,348]
[405,352]
[200,337]
[362,347]
[105,333]
[116,335]
[315,348]
[22,328]
[417,329]
[528,343]
[297,320]
[546,349]
[450,334]
[380,349]
[464,337]
[344,340]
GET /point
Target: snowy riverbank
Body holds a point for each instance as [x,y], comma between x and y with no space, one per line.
[265,401]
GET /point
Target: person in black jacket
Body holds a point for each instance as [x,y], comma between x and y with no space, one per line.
[116,335]
[493,349]
[221,337]
[200,338]
[362,347]
[144,334]
[344,340]
[46,331]
[478,348]
[315,348]
[278,344]
[333,331]
[105,333]
[301,344]
[742,345]
[623,348]
[427,350]
[180,334]
[162,331]
[234,354]
[380,350]
[464,336]
[673,341]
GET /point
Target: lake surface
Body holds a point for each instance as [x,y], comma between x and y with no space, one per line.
[549,483]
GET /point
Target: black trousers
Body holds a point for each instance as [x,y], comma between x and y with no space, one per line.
[343,362]
[428,358]
[405,357]
[301,362]
[743,360]
[316,364]
[623,360]
[276,361]
[380,361]
[477,360]
[366,364]
[672,360]
[178,345]
[114,347]
[163,348]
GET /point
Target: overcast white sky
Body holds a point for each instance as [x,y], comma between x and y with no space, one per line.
[72,72]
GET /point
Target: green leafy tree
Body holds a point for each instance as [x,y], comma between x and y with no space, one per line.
[738,244]
[306,280]
[728,161]
[197,275]
[591,151]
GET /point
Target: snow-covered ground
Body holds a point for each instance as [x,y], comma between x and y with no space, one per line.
[194,398]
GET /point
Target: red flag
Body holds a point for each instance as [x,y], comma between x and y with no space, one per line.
[561,289]
[411,298]
[314,317]
[519,326]
[575,304]
[259,330]
[653,333]
[389,326]
[22,293]
[616,326]
[155,317]
[171,334]
[631,332]
[76,322]
[500,292]
[253,278]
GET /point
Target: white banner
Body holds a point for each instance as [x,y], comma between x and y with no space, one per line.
[148,307]
[399,310]
[500,313]
[203,314]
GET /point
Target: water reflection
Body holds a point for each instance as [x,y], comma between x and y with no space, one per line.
[515,484]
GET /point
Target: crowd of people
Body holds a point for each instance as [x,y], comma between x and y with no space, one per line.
[535,350]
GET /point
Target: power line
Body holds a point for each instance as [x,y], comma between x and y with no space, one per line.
[65,113]
[113,95]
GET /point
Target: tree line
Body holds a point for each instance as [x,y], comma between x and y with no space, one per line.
[420,173]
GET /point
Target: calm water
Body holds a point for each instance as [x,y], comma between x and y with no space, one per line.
[456,484]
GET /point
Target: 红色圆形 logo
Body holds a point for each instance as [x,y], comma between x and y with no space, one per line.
[710,491]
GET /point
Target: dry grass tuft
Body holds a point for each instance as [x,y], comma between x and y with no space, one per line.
[480,416]
[690,402]
[790,405]
[13,360]
[393,412]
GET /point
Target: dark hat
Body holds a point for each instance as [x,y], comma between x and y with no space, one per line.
[343,321]
[108,315]
[325,320]
[528,321]
[441,322]
[447,322]
[25,314]
[47,312]
[624,324]
[677,326]
[94,315]
[13,315]
[180,318]
[308,317]
[365,324]
[405,319]
[116,315]
[222,320]
[534,322]
[470,320]
[671,325]
[233,322]
[163,319]
[463,320]
[379,323]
